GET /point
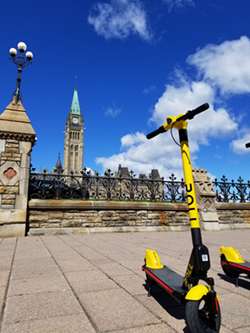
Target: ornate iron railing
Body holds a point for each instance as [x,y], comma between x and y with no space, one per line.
[232,191]
[108,187]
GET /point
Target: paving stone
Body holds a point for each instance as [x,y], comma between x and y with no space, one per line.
[132,283]
[91,255]
[90,281]
[164,307]
[221,291]
[234,311]
[134,265]
[75,265]
[5,265]
[33,268]
[113,269]
[31,253]
[158,328]
[40,306]
[115,309]
[66,324]
[226,330]
[32,262]
[120,256]
[229,285]
[2,294]
[4,275]
[42,283]
[243,330]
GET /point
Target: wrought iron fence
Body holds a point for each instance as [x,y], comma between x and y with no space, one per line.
[112,187]
[232,191]
[108,187]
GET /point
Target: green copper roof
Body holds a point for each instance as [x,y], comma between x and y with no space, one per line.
[75,106]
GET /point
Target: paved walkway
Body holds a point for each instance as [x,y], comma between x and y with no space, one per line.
[93,283]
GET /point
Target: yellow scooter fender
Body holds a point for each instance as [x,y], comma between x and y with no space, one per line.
[231,254]
[197,292]
[152,259]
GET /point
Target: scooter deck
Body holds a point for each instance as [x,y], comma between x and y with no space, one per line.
[243,266]
[169,280]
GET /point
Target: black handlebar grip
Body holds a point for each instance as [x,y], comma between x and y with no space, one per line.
[248,145]
[156,132]
[200,108]
[192,113]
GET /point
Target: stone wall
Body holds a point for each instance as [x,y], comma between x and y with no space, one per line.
[63,216]
[233,215]
[60,216]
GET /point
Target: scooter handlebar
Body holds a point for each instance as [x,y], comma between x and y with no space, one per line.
[156,132]
[192,113]
[188,115]
[248,145]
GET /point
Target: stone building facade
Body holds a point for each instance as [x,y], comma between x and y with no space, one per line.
[17,137]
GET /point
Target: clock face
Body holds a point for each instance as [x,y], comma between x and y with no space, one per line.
[75,121]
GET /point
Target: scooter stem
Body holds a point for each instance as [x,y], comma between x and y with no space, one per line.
[190,187]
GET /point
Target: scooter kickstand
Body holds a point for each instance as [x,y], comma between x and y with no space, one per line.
[149,289]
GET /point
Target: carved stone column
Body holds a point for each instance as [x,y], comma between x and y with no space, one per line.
[206,200]
[17,137]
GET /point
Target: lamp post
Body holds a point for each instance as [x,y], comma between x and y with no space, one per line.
[21,58]
[248,145]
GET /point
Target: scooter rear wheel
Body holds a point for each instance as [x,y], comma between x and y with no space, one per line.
[199,320]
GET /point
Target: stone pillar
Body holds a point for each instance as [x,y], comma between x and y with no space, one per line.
[206,200]
[17,137]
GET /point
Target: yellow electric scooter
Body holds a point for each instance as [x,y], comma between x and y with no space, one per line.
[202,310]
[232,262]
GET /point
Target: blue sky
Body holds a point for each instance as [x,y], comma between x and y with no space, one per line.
[136,62]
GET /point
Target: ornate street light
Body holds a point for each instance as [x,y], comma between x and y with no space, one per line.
[21,58]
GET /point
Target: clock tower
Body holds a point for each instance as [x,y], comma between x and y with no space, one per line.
[73,138]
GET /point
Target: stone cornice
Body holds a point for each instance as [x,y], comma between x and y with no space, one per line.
[18,136]
[233,205]
[104,205]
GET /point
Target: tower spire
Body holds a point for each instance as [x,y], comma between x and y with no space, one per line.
[75,105]
[59,167]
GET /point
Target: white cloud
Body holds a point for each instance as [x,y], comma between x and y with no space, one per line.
[142,155]
[177,99]
[133,139]
[119,19]
[239,145]
[149,90]
[226,65]
[178,3]
[112,112]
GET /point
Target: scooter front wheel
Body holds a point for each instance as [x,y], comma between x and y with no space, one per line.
[199,318]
